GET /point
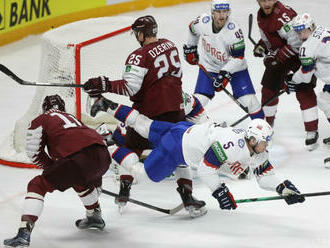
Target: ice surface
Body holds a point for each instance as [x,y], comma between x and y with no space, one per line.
[252,225]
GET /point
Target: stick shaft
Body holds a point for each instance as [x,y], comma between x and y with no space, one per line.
[19,80]
[265,103]
[250,30]
[223,88]
[146,205]
[271,198]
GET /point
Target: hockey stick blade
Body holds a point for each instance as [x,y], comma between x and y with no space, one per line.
[13,76]
[146,205]
[271,198]
[250,30]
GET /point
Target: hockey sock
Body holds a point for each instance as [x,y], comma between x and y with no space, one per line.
[123,155]
[34,199]
[125,114]
[89,197]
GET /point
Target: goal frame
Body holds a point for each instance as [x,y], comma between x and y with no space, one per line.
[77,58]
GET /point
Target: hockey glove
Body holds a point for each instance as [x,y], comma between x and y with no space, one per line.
[224,197]
[191,54]
[94,87]
[222,80]
[270,60]
[284,54]
[102,104]
[291,86]
[290,193]
[260,49]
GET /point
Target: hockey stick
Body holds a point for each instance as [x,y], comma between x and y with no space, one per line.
[214,80]
[265,103]
[250,30]
[271,198]
[146,205]
[13,76]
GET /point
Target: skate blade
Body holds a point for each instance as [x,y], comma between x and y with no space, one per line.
[311,147]
[195,213]
[19,246]
[121,206]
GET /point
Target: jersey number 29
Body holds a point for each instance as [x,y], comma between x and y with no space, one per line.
[163,62]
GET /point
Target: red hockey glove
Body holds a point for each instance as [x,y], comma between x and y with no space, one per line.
[94,87]
[284,54]
[222,80]
[270,60]
[260,49]
[191,54]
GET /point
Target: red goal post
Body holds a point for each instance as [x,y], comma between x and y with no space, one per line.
[8,158]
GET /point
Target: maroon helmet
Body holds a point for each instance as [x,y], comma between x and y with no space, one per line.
[145,24]
[53,102]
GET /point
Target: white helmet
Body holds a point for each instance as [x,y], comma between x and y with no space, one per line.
[260,130]
[302,22]
[220,5]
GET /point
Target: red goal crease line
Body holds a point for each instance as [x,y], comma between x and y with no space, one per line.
[18,164]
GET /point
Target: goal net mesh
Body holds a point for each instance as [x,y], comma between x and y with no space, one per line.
[71,54]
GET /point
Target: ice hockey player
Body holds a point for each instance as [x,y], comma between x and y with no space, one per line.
[279,45]
[152,80]
[208,146]
[222,54]
[77,159]
[314,55]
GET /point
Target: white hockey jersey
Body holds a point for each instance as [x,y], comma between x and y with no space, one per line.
[219,51]
[315,57]
[234,149]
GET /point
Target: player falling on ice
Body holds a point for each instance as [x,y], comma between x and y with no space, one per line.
[78,158]
[208,146]
[314,55]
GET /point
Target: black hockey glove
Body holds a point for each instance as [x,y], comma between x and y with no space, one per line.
[290,193]
[94,87]
[224,197]
[191,54]
[291,86]
[102,104]
[222,80]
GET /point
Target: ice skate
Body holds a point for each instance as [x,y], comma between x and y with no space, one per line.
[195,207]
[124,192]
[326,141]
[311,140]
[327,163]
[92,221]
[22,239]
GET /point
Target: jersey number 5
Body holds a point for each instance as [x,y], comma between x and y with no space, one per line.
[164,63]
[67,123]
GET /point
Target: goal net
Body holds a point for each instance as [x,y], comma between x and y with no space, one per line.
[71,54]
